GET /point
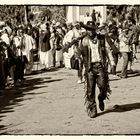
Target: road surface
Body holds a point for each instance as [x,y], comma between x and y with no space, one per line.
[53,103]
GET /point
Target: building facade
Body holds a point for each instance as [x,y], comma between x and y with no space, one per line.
[77,13]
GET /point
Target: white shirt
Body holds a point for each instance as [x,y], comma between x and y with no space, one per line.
[17,42]
[5,38]
[29,43]
[95,56]
[68,37]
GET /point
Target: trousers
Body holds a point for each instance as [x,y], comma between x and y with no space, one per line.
[125,56]
[113,70]
[20,66]
[96,75]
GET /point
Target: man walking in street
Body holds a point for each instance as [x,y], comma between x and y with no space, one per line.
[95,55]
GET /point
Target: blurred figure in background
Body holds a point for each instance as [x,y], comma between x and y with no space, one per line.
[29,44]
[44,44]
[18,41]
[67,40]
[87,18]
[76,34]
[59,35]
[113,41]
[93,15]
[52,50]
[125,49]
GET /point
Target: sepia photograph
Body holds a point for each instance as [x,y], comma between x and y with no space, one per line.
[69,69]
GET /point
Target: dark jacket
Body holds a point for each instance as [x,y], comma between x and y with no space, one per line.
[45,41]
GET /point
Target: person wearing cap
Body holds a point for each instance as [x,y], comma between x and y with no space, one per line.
[95,54]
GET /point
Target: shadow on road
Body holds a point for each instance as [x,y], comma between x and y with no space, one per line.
[130,73]
[133,73]
[13,97]
[121,108]
[35,72]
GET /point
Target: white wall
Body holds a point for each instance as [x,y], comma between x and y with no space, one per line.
[76,13]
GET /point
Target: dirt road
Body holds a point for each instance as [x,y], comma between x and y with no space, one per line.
[53,103]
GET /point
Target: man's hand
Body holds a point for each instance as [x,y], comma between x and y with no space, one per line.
[81,23]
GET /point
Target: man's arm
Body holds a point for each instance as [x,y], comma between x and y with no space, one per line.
[69,44]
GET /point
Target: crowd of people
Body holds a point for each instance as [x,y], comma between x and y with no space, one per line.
[49,38]
[67,45]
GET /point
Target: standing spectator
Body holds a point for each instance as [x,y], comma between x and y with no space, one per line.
[87,18]
[21,57]
[29,44]
[48,53]
[5,39]
[2,72]
[58,43]
[93,15]
[67,40]
[97,18]
[134,39]
[44,44]
[76,34]
[52,50]
[113,41]
[125,49]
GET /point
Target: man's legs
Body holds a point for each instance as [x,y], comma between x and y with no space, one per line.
[125,65]
[17,72]
[102,82]
[2,74]
[90,102]
[115,56]
[79,72]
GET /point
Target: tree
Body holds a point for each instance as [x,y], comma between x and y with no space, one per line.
[56,13]
[15,13]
